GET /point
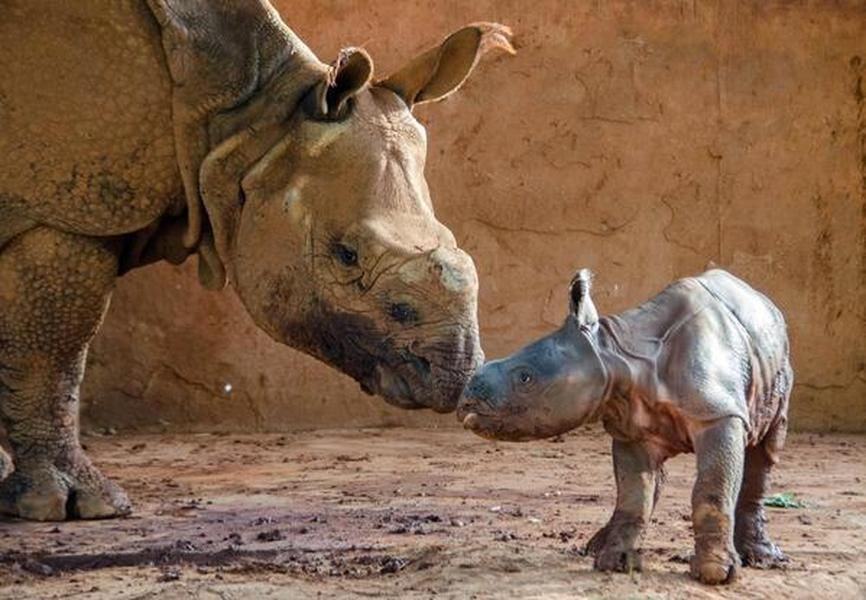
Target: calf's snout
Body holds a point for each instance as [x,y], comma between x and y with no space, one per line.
[481,397]
[479,391]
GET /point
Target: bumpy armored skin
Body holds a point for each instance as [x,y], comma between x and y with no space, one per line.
[134,131]
[703,367]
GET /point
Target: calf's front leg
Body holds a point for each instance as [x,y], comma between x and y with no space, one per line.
[638,481]
[720,450]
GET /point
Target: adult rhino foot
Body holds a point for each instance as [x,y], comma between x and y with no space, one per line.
[47,492]
[714,567]
[612,552]
[762,554]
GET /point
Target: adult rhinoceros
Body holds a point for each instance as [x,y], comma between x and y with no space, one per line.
[133,132]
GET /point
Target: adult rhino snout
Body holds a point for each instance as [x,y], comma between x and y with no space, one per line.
[435,347]
[432,374]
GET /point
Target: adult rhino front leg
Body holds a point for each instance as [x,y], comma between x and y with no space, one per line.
[54,290]
[638,483]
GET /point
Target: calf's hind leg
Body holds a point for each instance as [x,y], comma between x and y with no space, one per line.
[54,289]
[750,532]
[720,451]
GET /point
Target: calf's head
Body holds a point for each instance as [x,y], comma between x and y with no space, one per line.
[546,388]
[331,240]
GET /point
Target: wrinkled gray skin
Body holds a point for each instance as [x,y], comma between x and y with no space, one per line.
[134,131]
[703,367]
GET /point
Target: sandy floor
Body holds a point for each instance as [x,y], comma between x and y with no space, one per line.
[412,513]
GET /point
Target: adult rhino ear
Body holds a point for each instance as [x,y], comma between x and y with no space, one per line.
[346,76]
[438,72]
[582,308]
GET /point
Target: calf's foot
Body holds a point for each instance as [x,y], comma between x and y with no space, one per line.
[638,477]
[720,448]
[751,537]
[715,566]
[59,490]
[613,547]
[761,554]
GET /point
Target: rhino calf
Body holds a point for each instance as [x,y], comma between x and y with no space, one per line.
[703,367]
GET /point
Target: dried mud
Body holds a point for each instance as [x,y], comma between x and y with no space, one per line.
[413,513]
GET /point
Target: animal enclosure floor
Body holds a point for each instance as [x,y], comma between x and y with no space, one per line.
[414,514]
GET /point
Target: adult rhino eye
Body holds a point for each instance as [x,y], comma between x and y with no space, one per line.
[344,254]
[525,377]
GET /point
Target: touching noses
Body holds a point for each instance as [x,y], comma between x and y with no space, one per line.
[480,391]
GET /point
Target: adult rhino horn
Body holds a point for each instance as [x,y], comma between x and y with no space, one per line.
[452,269]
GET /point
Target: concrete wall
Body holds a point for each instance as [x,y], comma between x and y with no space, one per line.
[646,140]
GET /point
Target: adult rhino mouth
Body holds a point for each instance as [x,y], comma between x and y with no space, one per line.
[408,374]
[393,387]
[413,381]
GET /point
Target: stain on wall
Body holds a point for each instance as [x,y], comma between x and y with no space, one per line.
[645,140]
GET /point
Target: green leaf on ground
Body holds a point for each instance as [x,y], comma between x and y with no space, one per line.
[784,500]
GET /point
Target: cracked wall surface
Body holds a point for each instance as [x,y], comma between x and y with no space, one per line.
[646,141]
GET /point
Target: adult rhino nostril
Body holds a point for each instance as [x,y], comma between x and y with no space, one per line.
[402,313]
[419,363]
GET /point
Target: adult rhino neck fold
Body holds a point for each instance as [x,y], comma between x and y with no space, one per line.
[226,62]
[273,100]
[252,131]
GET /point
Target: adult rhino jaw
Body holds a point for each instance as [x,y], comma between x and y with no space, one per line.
[334,247]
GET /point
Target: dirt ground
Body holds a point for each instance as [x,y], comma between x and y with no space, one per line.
[413,513]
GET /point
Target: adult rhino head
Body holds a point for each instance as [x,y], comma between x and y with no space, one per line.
[312,202]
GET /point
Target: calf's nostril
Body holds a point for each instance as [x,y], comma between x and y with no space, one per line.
[480,391]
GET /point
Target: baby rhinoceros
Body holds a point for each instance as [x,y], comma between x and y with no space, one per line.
[703,367]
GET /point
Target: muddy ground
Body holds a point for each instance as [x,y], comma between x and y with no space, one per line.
[413,513]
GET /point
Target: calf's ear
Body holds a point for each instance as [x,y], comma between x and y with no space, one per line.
[582,308]
[438,72]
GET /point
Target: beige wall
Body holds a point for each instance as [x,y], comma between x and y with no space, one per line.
[645,140]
